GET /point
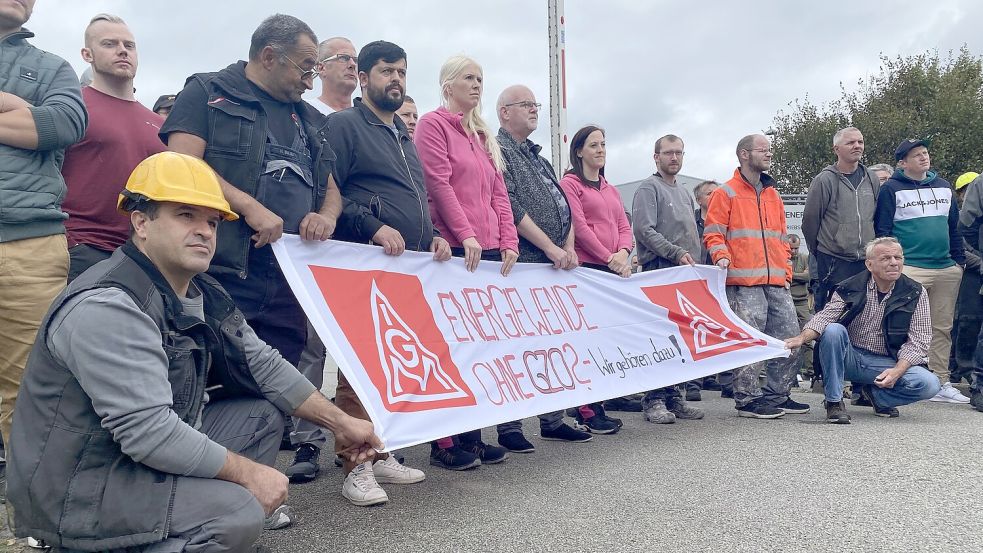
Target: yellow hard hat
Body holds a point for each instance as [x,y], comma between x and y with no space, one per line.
[965,179]
[174,177]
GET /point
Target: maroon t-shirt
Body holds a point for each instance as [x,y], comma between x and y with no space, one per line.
[120,135]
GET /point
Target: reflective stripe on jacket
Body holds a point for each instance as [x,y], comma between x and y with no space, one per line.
[748,228]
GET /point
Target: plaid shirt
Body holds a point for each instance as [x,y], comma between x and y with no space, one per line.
[866,330]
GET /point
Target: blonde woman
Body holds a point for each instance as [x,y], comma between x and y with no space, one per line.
[462,169]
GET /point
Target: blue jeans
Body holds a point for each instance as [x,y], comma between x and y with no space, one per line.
[841,360]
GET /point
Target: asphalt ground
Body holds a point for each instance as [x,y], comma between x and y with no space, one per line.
[722,483]
[719,484]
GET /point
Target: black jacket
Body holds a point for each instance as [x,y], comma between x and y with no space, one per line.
[380,177]
[897,313]
[235,149]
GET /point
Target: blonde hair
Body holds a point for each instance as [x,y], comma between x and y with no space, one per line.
[472,121]
[107,17]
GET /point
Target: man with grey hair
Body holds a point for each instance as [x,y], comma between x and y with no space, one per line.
[883,171]
[122,132]
[338,71]
[542,219]
[875,331]
[41,114]
[839,214]
[666,236]
[270,150]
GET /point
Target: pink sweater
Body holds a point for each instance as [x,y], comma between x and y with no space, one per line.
[467,194]
[600,226]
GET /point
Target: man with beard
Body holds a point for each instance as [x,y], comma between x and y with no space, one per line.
[41,114]
[122,132]
[746,236]
[666,236]
[337,69]
[381,179]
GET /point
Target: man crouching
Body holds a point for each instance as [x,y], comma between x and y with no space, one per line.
[875,331]
[150,410]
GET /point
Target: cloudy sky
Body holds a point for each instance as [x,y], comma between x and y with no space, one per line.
[709,71]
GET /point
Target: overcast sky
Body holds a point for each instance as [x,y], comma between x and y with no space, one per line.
[710,71]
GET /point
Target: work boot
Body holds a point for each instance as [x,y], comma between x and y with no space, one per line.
[683,411]
[658,413]
[836,413]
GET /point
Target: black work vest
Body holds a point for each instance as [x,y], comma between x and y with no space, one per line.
[897,312]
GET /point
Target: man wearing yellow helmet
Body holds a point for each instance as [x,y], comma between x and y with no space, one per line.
[152,412]
[969,303]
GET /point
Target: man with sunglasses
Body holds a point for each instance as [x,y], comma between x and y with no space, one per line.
[249,123]
[338,70]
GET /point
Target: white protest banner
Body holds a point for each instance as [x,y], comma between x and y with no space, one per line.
[433,350]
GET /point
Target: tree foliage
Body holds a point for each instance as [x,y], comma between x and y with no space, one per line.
[920,96]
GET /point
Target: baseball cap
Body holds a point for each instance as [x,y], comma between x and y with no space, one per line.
[165,101]
[907,145]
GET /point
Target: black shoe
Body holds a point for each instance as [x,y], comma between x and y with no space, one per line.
[564,433]
[285,444]
[860,401]
[489,454]
[887,412]
[693,395]
[305,466]
[453,458]
[600,425]
[629,404]
[515,441]
[976,400]
[836,413]
[600,411]
[727,393]
[711,385]
[793,407]
[756,410]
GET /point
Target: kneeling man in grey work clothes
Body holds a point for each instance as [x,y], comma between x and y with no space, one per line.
[150,413]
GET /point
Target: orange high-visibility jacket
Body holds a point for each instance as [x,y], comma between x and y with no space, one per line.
[749,229]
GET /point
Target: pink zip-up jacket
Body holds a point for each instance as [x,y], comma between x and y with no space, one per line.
[600,225]
[467,194]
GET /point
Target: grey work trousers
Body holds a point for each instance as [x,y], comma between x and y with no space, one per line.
[547,421]
[213,515]
[311,365]
[768,309]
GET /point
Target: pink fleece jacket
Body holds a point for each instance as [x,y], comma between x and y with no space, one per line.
[600,225]
[467,194]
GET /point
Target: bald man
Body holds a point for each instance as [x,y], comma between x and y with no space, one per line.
[338,71]
[542,217]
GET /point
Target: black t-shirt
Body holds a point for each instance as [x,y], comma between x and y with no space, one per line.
[190,114]
[856,177]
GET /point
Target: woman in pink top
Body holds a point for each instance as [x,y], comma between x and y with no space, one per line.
[603,233]
[462,169]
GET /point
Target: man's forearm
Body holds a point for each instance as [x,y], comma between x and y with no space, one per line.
[320,411]
[531,232]
[17,129]
[332,206]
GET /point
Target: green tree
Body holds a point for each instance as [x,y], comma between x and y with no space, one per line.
[919,96]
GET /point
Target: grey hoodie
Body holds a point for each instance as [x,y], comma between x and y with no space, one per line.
[839,219]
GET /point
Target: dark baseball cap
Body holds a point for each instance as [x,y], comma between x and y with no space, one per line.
[908,145]
[165,101]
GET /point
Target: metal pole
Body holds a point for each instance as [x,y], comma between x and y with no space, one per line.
[558,86]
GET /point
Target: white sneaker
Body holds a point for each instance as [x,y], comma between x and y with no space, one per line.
[361,487]
[949,394]
[389,471]
[281,517]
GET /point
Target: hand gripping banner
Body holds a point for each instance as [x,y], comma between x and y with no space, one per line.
[433,350]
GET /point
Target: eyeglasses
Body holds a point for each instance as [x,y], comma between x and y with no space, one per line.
[526,105]
[343,58]
[304,73]
[672,153]
[765,151]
